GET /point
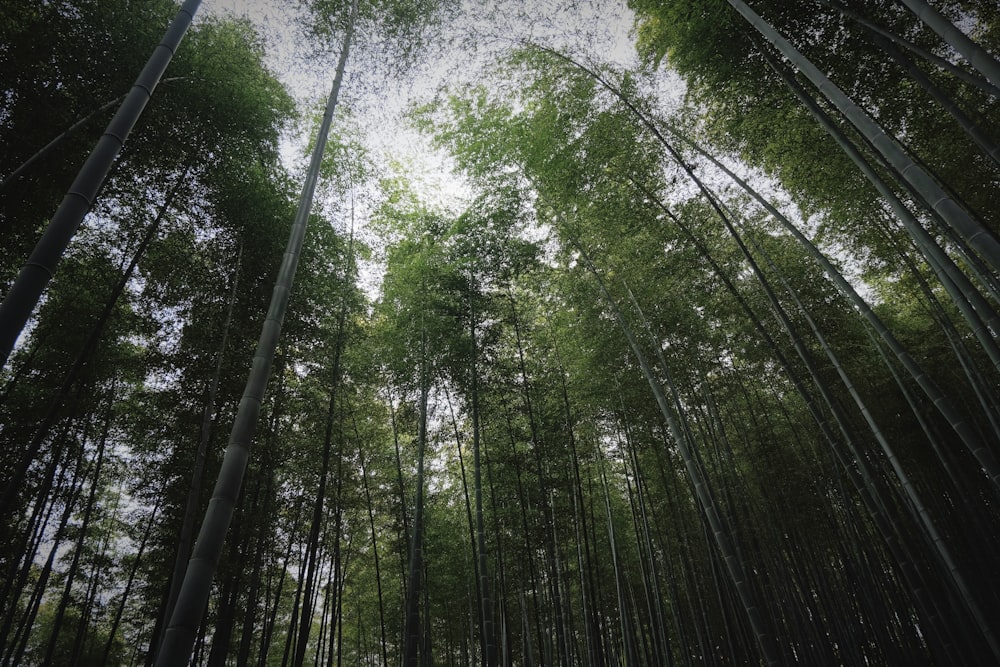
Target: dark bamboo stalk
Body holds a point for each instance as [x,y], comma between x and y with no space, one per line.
[412,631]
[371,523]
[201,455]
[916,49]
[95,483]
[737,571]
[976,55]
[14,481]
[23,295]
[181,631]
[129,581]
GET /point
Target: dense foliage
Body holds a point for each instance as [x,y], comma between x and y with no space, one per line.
[715,384]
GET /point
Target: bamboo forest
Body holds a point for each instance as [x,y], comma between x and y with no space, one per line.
[507,333]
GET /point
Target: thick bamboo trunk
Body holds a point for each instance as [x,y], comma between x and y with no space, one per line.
[977,56]
[971,230]
[181,631]
[23,295]
[916,49]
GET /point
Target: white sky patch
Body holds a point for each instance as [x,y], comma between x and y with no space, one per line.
[474,40]
[473,43]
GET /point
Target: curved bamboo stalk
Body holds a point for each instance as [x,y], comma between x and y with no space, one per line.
[720,533]
[977,56]
[974,132]
[978,236]
[916,49]
[914,502]
[959,287]
[959,423]
[862,480]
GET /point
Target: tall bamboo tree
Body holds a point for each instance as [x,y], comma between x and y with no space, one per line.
[180,634]
[20,300]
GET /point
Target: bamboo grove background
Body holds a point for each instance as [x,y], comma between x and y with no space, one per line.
[710,381]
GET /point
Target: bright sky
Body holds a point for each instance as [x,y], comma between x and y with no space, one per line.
[597,30]
[602,33]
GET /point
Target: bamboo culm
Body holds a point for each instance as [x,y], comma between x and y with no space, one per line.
[182,629]
[24,294]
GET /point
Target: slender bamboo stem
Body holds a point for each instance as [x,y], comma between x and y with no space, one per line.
[24,294]
[181,631]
